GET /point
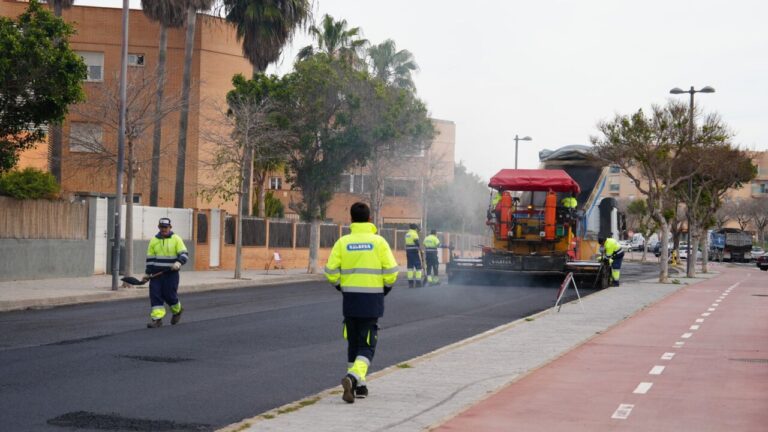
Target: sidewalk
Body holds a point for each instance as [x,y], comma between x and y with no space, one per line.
[463,386]
[40,293]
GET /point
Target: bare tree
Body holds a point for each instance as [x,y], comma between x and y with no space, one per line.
[647,149]
[242,128]
[758,208]
[98,123]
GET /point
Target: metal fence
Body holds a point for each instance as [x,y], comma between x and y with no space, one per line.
[280,234]
[43,219]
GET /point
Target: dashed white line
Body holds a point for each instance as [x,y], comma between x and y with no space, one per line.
[715,305]
[679,344]
[711,309]
[667,356]
[622,412]
[643,388]
[694,327]
[700,320]
[718,300]
[656,370]
[686,335]
[705,314]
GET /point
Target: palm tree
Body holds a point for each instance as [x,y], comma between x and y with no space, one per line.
[335,40]
[55,151]
[191,6]
[392,66]
[263,27]
[167,13]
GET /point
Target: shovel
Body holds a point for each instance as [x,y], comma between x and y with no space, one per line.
[134,281]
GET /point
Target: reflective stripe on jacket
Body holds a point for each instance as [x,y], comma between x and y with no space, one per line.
[431,243]
[412,239]
[363,264]
[162,252]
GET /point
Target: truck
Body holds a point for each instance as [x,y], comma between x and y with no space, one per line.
[730,244]
[533,233]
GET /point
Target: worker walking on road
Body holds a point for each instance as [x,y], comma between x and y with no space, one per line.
[165,255]
[612,249]
[363,268]
[413,259]
[431,243]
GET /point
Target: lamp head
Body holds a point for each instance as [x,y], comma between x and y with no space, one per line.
[677,90]
[526,138]
[707,89]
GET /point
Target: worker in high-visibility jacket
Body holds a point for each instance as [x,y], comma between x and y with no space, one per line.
[611,249]
[413,259]
[363,268]
[431,243]
[165,256]
[570,202]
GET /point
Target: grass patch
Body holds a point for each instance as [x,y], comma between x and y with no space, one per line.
[404,366]
[530,318]
[243,427]
[308,402]
[268,416]
[676,281]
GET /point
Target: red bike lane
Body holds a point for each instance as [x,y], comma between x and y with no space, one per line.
[696,361]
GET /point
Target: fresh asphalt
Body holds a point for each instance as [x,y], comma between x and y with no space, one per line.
[236,353]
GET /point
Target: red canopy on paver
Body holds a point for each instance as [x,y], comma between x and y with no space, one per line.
[534,180]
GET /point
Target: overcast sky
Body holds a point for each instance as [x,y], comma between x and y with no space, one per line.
[552,69]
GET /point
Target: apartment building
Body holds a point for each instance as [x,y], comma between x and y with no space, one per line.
[217,57]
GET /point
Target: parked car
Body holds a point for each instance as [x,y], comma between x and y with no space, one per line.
[757,252]
[762,262]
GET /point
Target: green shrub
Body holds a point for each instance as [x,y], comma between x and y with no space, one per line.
[272,206]
[29,183]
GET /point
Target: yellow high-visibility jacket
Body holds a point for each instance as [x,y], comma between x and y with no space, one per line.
[162,252]
[362,263]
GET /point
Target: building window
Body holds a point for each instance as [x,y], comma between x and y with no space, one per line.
[615,187]
[94,61]
[276,183]
[615,169]
[85,137]
[759,188]
[399,188]
[135,59]
[354,183]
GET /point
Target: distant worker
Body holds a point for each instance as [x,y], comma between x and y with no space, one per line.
[362,267]
[165,256]
[611,249]
[570,202]
[431,243]
[412,256]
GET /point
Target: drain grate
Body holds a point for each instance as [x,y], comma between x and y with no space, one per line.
[156,359]
[114,422]
[750,360]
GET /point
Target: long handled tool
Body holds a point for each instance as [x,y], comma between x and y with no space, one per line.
[134,281]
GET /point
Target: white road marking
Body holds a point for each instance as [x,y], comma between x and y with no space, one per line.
[718,300]
[679,344]
[706,314]
[700,320]
[643,388]
[656,370]
[711,309]
[714,304]
[667,356]
[622,412]
[694,327]
[686,335]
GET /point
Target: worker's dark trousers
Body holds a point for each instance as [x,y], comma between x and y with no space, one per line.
[163,289]
[413,261]
[432,263]
[616,265]
[362,334]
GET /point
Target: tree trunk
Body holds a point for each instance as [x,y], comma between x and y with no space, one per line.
[645,249]
[128,259]
[158,127]
[55,151]
[181,159]
[664,256]
[692,256]
[247,198]
[314,246]
[704,250]
[262,191]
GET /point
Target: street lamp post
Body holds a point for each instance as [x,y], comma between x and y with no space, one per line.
[525,138]
[689,265]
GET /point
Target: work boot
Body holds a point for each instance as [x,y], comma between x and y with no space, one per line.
[418,284]
[361,392]
[616,283]
[410,284]
[348,383]
[176,317]
[155,323]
